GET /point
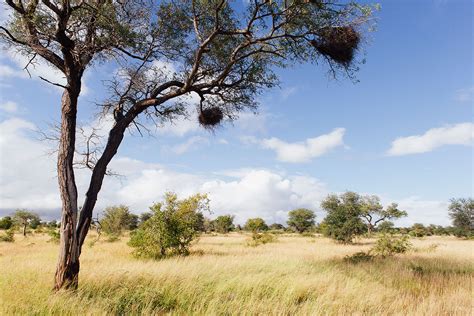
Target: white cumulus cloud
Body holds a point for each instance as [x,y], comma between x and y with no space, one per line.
[306,150]
[458,134]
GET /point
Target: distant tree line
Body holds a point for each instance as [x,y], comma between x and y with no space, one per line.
[348,215]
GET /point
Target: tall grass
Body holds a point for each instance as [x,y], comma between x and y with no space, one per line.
[223,276]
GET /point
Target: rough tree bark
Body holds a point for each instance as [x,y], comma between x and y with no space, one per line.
[67,268]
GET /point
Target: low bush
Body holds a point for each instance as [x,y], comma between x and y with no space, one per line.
[171,229]
[260,239]
[54,234]
[389,244]
[8,236]
[358,257]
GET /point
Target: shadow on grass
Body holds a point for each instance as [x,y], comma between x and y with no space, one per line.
[126,296]
[415,275]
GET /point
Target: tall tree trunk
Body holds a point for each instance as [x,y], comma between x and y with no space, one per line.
[67,269]
[24,230]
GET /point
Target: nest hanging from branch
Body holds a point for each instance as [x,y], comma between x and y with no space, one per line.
[338,43]
[210,117]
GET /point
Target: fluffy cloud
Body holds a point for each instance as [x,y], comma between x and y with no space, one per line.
[28,180]
[459,134]
[307,150]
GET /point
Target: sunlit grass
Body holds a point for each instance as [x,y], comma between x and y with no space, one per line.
[295,275]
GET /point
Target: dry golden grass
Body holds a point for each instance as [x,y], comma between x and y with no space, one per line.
[296,275]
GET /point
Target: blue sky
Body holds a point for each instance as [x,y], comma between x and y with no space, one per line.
[416,86]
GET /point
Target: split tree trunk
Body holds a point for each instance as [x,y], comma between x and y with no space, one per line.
[67,269]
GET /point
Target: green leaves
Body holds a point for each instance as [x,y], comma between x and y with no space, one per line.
[172,227]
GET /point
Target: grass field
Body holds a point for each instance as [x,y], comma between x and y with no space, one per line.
[296,275]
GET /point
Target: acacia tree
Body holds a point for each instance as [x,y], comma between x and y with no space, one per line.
[374,213]
[461,212]
[223,52]
[301,219]
[23,218]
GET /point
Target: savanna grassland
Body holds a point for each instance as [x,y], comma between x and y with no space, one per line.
[295,275]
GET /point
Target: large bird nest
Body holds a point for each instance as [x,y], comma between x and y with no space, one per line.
[210,117]
[338,43]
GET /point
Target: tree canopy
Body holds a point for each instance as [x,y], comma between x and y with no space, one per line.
[255,225]
[301,219]
[23,218]
[461,212]
[374,213]
[343,220]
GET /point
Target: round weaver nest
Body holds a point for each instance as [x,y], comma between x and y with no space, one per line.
[338,43]
[211,117]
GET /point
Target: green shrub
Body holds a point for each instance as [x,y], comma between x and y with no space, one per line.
[301,220]
[223,224]
[54,234]
[358,257]
[388,245]
[255,225]
[6,222]
[116,219]
[8,236]
[260,239]
[343,220]
[172,227]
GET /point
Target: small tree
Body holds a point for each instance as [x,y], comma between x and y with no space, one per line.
[6,222]
[23,218]
[374,213]
[116,219]
[301,220]
[461,212]
[224,224]
[255,225]
[171,228]
[343,221]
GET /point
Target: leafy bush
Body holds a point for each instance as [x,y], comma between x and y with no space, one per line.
[172,227]
[8,236]
[260,239]
[6,222]
[255,225]
[358,257]
[116,219]
[419,230]
[223,224]
[388,245]
[54,234]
